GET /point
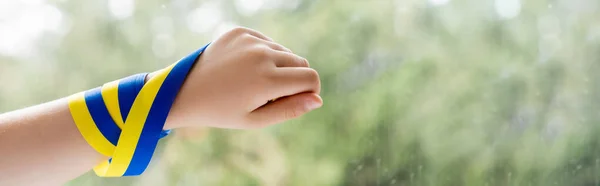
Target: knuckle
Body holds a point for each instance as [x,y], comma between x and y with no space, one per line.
[238,31]
[247,38]
[270,78]
[260,52]
[315,80]
[278,46]
[304,62]
[313,75]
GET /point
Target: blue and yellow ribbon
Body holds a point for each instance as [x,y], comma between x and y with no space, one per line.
[124,119]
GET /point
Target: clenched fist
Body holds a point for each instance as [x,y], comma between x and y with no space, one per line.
[235,79]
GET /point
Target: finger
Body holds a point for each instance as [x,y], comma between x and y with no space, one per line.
[294,80]
[285,109]
[288,59]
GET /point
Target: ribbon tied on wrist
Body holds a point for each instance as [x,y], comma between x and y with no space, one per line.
[124,119]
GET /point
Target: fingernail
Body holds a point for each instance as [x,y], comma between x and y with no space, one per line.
[312,104]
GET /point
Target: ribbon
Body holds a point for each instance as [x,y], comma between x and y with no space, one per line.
[124,119]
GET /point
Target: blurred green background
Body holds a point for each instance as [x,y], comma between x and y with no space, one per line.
[416,92]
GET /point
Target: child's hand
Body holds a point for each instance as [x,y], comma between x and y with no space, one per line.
[231,85]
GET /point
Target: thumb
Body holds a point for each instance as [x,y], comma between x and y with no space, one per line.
[286,108]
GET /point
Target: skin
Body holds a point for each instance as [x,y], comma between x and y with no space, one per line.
[231,86]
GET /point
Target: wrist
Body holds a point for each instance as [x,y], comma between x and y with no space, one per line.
[127,113]
[168,123]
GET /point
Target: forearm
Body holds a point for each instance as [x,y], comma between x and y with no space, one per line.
[41,145]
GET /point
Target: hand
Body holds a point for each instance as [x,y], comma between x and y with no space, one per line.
[234,80]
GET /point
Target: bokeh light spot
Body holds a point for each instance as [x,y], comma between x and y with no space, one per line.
[438,2]
[204,18]
[121,9]
[508,9]
[248,7]
[25,22]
